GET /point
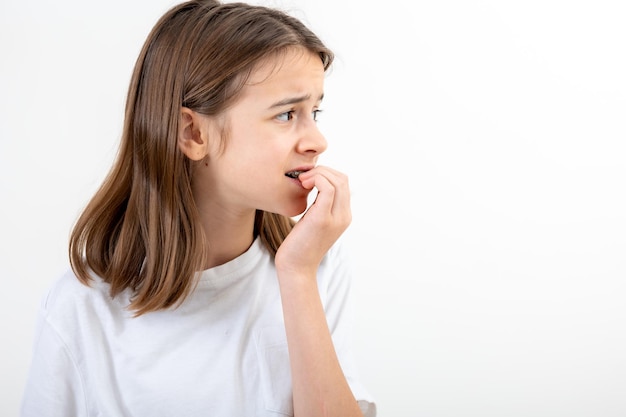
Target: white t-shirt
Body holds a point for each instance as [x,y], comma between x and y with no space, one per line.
[223,352]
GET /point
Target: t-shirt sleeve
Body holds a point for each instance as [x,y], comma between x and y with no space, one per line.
[53,387]
[337,274]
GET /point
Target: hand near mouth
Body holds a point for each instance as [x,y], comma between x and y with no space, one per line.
[322,224]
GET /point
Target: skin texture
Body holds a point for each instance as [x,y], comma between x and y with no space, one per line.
[271,131]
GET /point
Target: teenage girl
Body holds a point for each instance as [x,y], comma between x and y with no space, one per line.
[192,291]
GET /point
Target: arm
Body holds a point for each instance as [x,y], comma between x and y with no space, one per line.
[319,385]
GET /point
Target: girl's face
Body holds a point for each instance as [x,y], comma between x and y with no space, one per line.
[271,132]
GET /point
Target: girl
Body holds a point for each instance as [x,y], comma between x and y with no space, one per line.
[192,291]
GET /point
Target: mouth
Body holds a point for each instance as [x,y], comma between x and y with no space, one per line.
[295,173]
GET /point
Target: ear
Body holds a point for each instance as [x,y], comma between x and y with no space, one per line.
[192,134]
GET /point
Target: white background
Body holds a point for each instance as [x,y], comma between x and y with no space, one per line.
[486,146]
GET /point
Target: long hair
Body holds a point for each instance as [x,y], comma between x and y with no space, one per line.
[141,230]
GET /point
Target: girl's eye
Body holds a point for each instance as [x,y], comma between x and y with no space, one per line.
[286,116]
[289,115]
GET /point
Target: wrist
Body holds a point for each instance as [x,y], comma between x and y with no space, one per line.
[297,280]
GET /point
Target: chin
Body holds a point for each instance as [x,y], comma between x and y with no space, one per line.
[295,211]
[295,208]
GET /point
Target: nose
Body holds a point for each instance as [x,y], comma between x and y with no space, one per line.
[311,139]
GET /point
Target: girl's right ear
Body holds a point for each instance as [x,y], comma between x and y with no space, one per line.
[192,134]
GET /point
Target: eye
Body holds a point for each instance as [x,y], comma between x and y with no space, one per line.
[316,114]
[286,116]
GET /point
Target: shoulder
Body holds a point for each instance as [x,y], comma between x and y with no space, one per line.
[338,256]
[65,290]
[67,298]
[335,269]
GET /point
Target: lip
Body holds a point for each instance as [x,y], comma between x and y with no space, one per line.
[299,169]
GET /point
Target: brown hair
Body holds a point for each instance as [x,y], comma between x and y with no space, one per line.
[141,230]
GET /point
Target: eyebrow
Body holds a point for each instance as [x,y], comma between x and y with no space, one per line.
[294,100]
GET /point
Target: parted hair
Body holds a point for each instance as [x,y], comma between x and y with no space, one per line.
[141,230]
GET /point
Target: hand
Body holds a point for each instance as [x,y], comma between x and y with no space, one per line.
[322,224]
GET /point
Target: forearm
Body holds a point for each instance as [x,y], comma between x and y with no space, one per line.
[319,385]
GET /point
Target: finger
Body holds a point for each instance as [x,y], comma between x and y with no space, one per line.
[340,183]
[325,198]
[335,177]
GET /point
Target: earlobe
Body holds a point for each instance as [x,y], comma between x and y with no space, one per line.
[191,140]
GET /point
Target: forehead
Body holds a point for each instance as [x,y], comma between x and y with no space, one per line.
[294,68]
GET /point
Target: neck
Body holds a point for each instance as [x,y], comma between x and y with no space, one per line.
[228,236]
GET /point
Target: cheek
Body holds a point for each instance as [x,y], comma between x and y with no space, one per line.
[257,149]
[247,165]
